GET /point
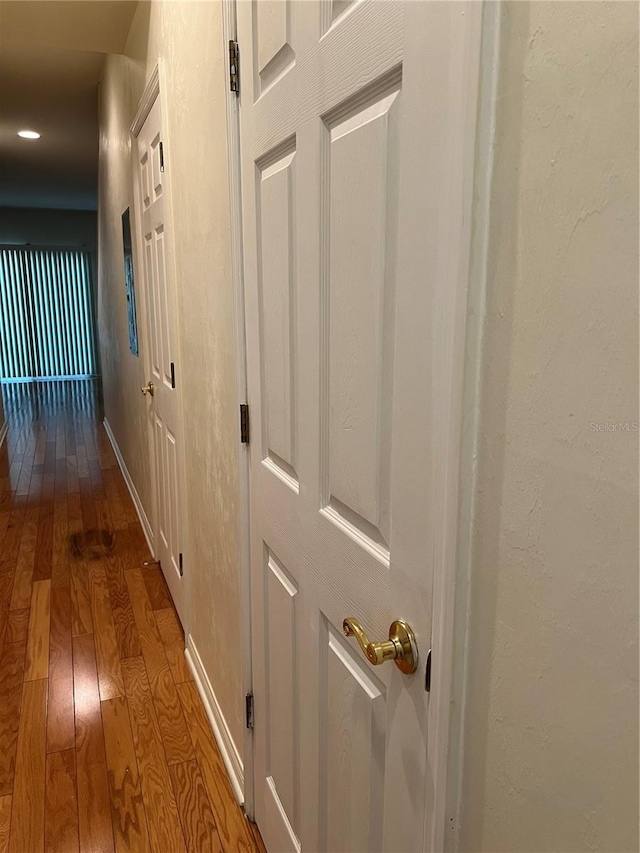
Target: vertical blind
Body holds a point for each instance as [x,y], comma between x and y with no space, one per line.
[47,324]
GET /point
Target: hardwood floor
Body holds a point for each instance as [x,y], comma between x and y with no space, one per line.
[104,742]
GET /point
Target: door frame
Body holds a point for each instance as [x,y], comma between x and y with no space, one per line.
[155,89]
[232,107]
[449,627]
[479,248]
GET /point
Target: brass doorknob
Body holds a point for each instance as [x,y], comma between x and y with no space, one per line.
[401,646]
[148,389]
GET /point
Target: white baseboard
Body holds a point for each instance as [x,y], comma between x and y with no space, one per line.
[135,497]
[226,744]
[4,429]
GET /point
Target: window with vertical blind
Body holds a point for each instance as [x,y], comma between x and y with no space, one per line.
[47,323]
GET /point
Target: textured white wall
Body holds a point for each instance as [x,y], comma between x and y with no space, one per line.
[188,37]
[550,756]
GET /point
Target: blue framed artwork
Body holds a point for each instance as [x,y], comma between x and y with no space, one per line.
[129,282]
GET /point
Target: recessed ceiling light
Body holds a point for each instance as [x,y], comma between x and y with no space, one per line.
[28,134]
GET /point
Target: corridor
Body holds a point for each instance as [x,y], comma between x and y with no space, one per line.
[104,742]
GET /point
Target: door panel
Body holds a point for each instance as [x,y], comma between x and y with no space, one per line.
[281,604]
[152,301]
[275,195]
[275,51]
[360,244]
[345,482]
[352,790]
[172,523]
[321,300]
[161,322]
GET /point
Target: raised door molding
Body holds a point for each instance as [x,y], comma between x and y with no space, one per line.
[151,92]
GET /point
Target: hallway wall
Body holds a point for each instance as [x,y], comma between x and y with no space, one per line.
[188,36]
[550,759]
[43,227]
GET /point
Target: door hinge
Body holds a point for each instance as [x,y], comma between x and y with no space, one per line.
[244,423]
[173,375]
[161,157]
[234,67]
[180,567]
[248,708]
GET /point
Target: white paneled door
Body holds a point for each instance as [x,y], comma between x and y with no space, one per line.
[354,151]
[162,347]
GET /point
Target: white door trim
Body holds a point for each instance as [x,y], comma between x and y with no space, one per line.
[483,173]
[147,100]
[237,273]
[444,729]
[156,88]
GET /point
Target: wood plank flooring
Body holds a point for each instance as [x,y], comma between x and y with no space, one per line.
[104,742]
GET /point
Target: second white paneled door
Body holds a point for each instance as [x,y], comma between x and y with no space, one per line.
[162,353]
[353,123]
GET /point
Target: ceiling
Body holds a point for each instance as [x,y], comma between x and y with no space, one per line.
[51,57]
